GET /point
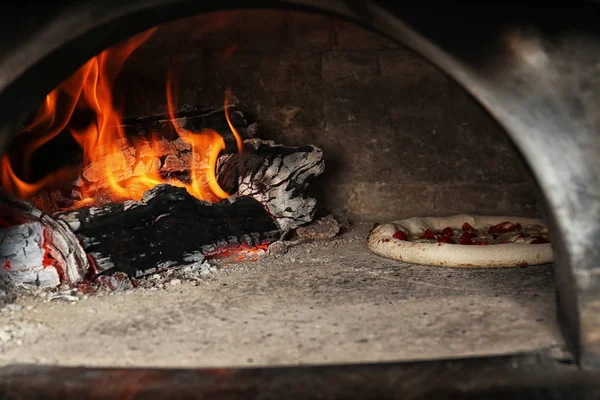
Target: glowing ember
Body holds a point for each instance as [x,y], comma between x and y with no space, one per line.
[243,252]
[90,90]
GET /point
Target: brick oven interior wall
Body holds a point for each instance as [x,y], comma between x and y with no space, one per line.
[400,138]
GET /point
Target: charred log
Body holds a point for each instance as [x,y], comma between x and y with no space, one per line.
[193,120]
[141,158]
[168,227]
[37,249]
[170,156]
[276,176]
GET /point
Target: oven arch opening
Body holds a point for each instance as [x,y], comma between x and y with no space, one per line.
[574,259]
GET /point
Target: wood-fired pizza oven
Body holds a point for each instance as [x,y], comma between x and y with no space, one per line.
[361,128]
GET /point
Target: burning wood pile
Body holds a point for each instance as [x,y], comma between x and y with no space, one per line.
[68,237]
[145,194]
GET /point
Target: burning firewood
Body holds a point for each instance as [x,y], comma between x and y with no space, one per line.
[167,227]
[153,152]
[141,154]
[193,120]
[35,248]
[170,227]
[150,192]
[275,175]
[263,186]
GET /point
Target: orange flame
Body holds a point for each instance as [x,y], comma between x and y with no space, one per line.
[106,149]
[241,252]
[207,144]
[238,138]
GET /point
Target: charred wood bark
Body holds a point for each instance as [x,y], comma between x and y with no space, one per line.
[168,227]
[276,176]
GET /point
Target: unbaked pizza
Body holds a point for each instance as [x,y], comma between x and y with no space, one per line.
[464,241]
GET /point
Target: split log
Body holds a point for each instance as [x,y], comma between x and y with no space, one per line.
[163,156]
[193,120]
[167,228]
[35,248]
[275,175]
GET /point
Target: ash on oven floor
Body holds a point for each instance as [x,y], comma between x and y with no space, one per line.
[322,302]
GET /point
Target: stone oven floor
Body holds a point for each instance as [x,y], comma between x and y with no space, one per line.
[325,302]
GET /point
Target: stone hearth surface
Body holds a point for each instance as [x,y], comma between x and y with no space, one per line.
[324,302]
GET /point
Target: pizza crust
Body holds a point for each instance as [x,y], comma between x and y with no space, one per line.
[382,243]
